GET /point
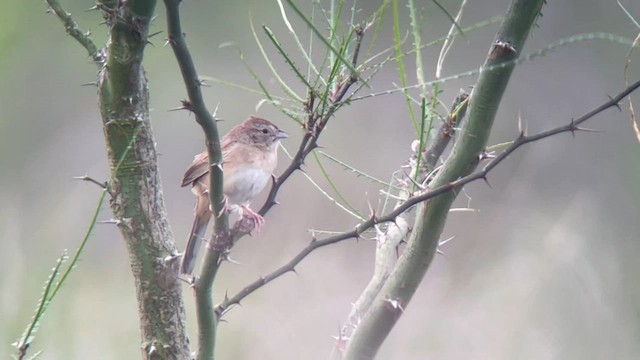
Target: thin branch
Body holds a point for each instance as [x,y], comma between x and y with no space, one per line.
[104,185]
[345,62]
[539,53]
[203,286]
[26,339]
[458,110]
[345,202]
[72,28]
[522,139]
[356,171]
[324,193]
[314,129]
[451,35]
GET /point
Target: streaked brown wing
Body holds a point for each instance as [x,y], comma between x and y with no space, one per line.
[200,164]
[198,168]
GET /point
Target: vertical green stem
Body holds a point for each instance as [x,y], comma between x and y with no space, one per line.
[431,216]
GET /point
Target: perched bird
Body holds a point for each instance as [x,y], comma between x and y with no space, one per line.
[249,156]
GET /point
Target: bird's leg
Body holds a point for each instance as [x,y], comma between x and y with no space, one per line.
[256,218]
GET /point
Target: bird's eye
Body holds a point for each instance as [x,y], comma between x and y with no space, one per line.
[265,131]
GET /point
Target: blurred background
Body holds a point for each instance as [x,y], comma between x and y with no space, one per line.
[545,268]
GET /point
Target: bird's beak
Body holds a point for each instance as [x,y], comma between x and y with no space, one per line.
[281,135]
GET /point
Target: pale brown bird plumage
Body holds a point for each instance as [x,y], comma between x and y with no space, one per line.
[249,156]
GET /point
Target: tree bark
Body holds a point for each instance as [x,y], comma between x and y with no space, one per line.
[137,202]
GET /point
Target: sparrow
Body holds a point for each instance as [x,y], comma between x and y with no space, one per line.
[249,156]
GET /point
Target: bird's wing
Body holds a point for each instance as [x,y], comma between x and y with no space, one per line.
[198,168]
[200,165]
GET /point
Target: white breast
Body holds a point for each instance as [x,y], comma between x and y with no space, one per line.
[241,186]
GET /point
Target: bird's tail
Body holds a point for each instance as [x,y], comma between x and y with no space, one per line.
[200,223]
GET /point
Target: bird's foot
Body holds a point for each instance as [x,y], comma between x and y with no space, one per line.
[254,217]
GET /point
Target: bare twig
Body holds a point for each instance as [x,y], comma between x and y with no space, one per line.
[102,184]
[522,139]
[316,122]
[74,30]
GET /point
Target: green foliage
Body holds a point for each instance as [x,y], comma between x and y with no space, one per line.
[54,284]
[48,293]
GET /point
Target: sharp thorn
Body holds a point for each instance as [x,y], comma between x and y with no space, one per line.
[615,104]
[446,241]
[486,180]
[217,165]
[229,259]
[357,233]
[572,128]
[110,221]
[520,128]
[579,128]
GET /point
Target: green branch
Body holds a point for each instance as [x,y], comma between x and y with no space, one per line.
[203,286]
[431,216]
[72,28]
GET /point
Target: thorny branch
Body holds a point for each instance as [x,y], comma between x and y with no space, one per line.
[74,30]
[445,133]
[316,122]
[521,140]
[317,119]
[204,283]
[389,238]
